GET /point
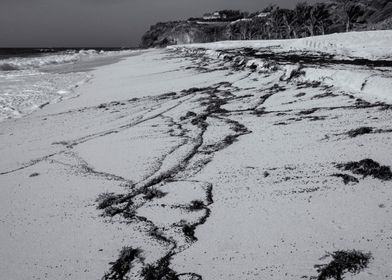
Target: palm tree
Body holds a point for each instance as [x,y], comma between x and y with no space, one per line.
[350,10]
[322,17]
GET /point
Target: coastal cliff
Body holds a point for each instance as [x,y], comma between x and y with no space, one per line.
[183,32]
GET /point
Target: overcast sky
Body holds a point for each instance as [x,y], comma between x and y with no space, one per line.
[100,23]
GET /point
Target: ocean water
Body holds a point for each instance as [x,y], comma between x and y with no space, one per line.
[31,80]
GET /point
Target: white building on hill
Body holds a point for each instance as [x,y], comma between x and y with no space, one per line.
[214,16]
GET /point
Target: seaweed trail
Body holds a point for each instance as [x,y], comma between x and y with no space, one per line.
[84,168]
[150,114]
[359,131]
[30,163]
[211,101]
[342,262]
[123,264]
[309,58]
[70,144]
[366,130]
[160,271]
[368,167]
[189,229]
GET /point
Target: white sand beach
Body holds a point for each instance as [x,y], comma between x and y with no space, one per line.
[229,160]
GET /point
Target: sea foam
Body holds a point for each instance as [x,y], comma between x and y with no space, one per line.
[25,87]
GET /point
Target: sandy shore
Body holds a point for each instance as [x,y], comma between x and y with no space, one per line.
[190,164]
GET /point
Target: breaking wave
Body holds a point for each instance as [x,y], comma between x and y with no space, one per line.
[25,87]
[29,63]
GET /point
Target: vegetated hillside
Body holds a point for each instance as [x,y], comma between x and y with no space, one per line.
[274,23]
[183,32]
